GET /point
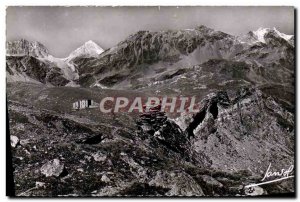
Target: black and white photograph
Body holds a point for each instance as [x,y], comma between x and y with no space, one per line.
[150,101]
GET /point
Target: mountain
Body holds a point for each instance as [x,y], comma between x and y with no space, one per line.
[26,60]
[235,126]
[26,48]
[88,49]
[145,56]
[262,35]
[33,70]
[147,52]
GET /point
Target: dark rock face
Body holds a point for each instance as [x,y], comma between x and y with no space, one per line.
[27,68]
[90,140]
[56,78]
[172,137]
[209,106]
[29,61]
[29,65]
[154,125]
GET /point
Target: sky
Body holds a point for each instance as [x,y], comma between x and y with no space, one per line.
[63,29]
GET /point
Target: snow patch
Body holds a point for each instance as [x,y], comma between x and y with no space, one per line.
[99,86]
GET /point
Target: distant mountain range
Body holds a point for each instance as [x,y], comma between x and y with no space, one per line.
[146,55]
[30,61]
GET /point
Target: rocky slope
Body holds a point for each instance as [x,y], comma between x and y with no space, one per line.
[248,130]
[217,151]
[31,69]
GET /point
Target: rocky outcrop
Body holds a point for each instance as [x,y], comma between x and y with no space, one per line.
[247,130]
[156,126]
[178,183]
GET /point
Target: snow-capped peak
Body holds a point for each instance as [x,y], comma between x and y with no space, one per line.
[89,48]
[261,32]
[92,46]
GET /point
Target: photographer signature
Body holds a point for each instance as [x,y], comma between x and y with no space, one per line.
[282,174]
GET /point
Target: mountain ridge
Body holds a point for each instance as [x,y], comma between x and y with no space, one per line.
[145,52]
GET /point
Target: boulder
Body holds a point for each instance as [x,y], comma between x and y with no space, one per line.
[254,191]
[99,157]
[14,141]
[40,184]
[105,179]
[179,183]
[53,168]
[210,181]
